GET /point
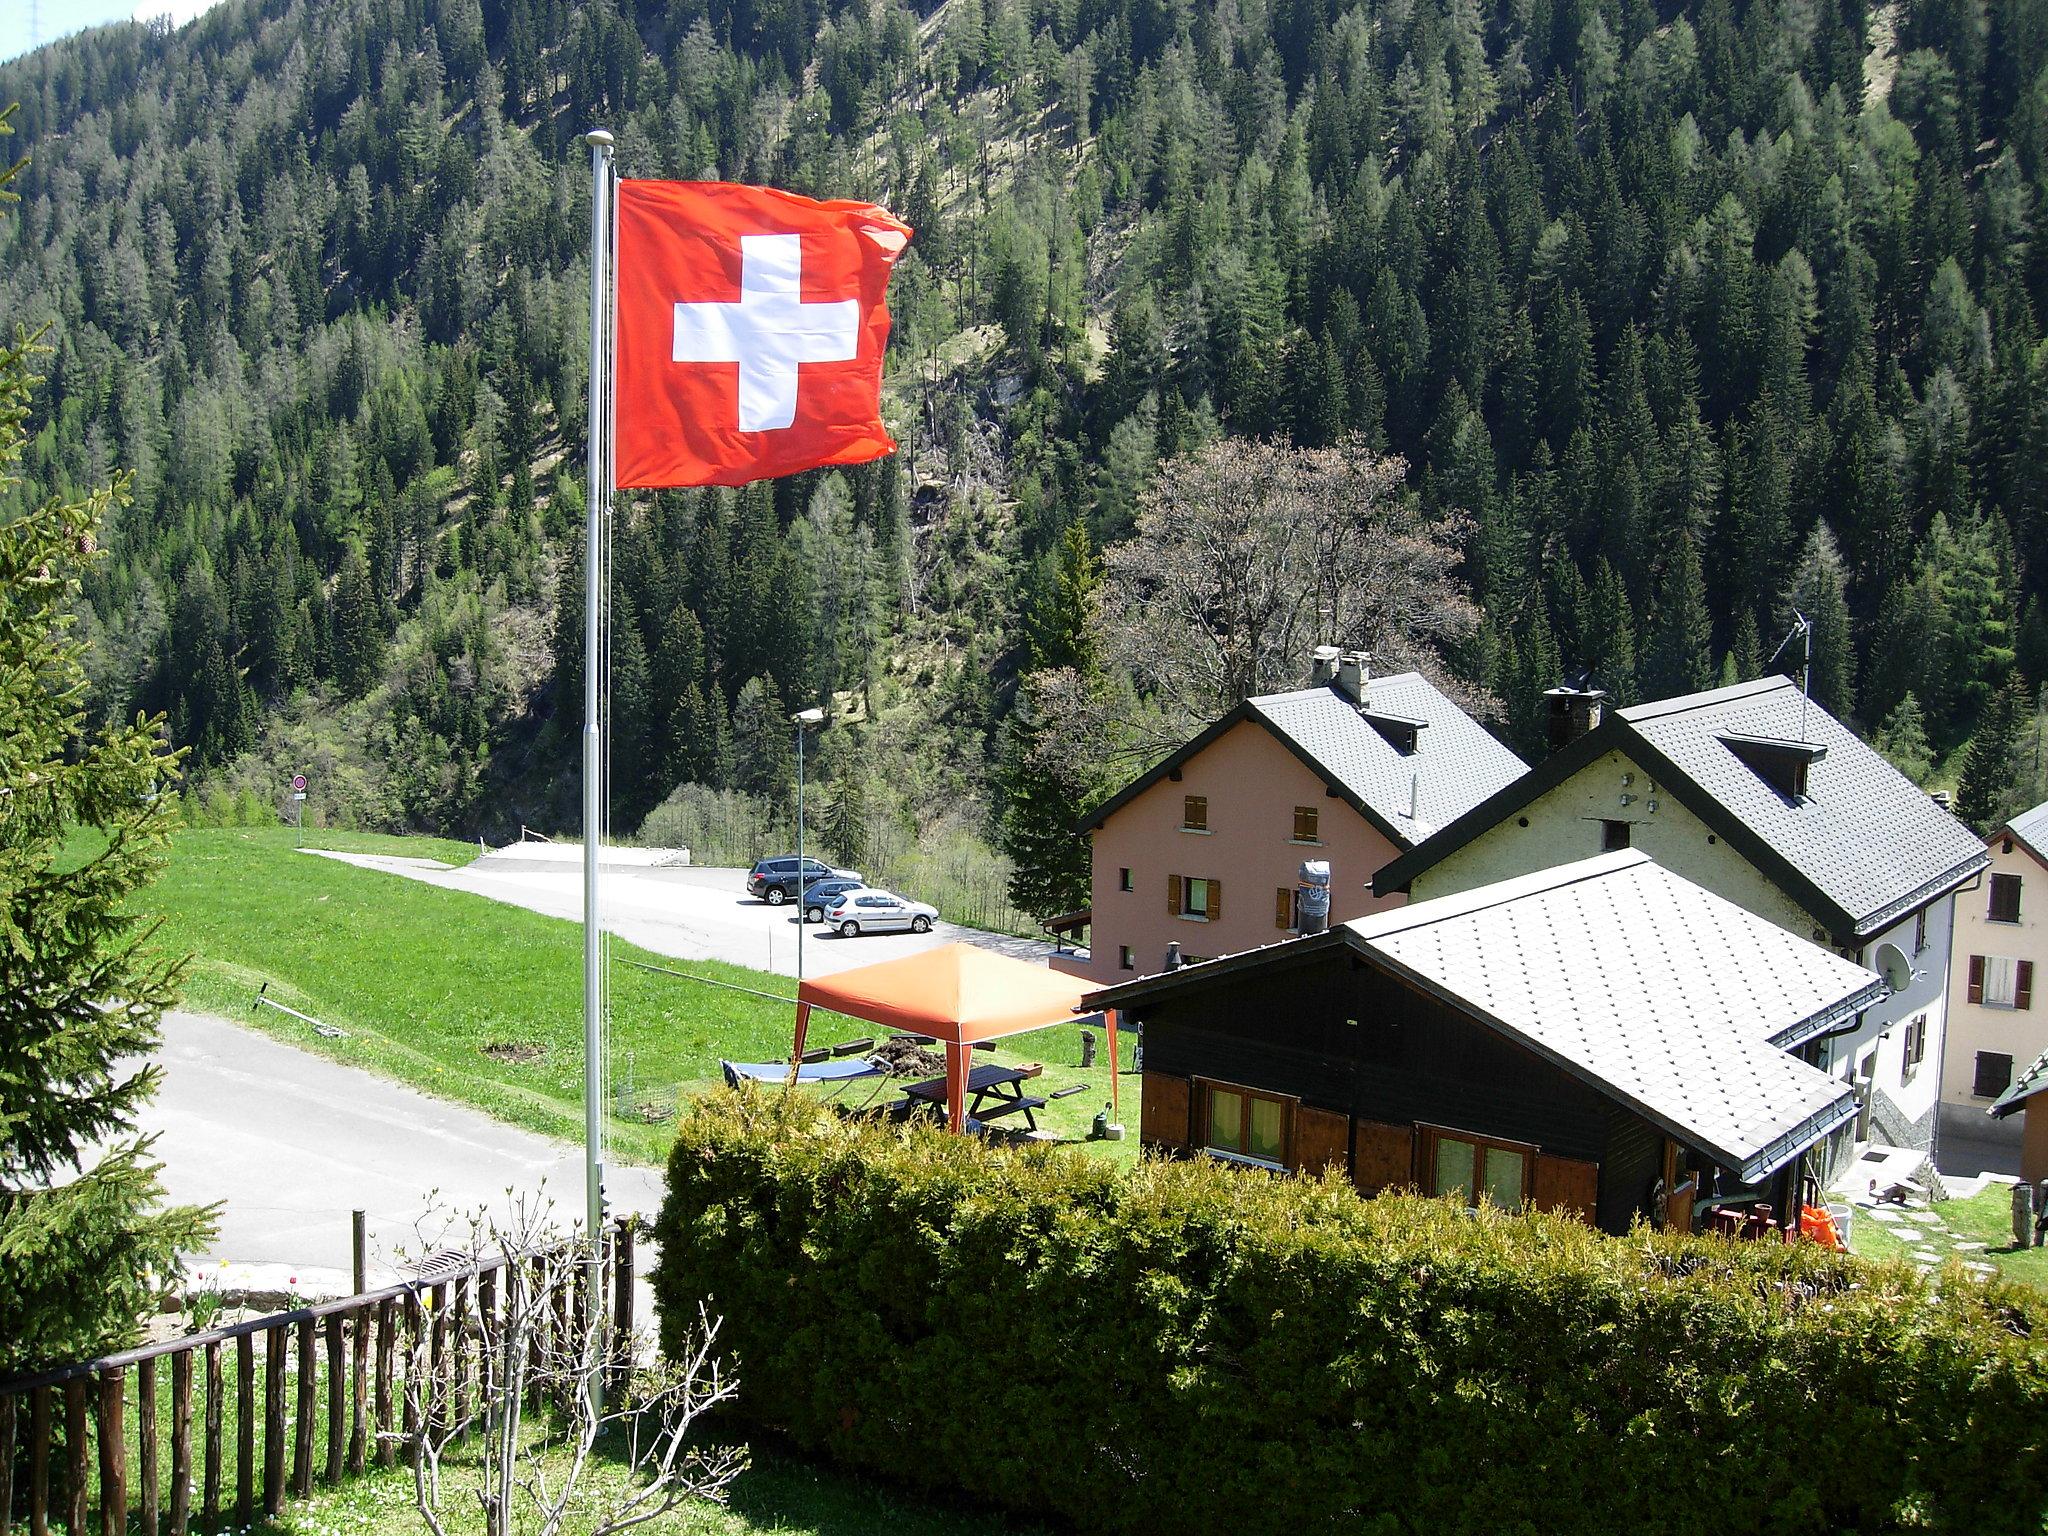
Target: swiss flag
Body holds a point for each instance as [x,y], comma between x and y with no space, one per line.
[750,328]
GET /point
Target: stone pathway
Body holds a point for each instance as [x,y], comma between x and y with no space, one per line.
[1928,1242]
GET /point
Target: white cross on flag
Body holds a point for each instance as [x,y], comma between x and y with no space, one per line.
[750,332]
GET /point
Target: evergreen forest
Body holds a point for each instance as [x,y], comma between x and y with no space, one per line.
[1666,322]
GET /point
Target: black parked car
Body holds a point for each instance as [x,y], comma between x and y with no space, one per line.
[774,880]
[819,893]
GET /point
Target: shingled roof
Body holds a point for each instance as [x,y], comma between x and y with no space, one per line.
[1859,849]
[1455,763]
[2030,830]
[1654,991]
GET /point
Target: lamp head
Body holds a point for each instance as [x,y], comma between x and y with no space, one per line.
[812,716]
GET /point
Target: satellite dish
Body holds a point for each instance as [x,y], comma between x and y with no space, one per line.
[1894,967]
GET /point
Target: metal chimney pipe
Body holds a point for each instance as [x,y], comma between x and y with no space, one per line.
[1312,896]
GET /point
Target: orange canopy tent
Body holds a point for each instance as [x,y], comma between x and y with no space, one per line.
[956,994]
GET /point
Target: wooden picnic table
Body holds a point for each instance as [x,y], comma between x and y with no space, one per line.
[992,1091]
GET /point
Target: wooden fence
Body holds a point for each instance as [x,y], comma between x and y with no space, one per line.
[66,1434]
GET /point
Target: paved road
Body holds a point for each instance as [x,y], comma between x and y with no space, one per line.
[293,1142]
[689,913]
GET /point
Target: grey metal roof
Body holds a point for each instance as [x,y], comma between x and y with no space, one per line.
[1864,835]
[2030,828]
[1456,762]
[2030,1082]
[1665,993]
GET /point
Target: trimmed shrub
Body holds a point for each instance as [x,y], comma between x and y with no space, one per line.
[1187,1347]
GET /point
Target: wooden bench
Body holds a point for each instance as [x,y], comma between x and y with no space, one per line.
[1011,1107]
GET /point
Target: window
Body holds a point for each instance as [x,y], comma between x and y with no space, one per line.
[1920,932]
[1189,896]
[2005,899]
[1124,962]
[1194,813]
[1613,835]
[1305,817]
[1915,1050]
[1475,1166]
[1283,906]
[1994,1074]
[1123,878]
[1242,1122]
[1999,981]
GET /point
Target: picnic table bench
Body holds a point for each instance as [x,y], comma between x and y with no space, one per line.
[992,1092]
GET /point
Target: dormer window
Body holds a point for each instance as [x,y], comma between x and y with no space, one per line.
[1779,762]
[1399,732]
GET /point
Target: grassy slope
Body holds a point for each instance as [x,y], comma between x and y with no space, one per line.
[424,979]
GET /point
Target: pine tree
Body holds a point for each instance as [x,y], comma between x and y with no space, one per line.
[1681,650]
[82,1229]
[1903,740]
[1990,772]
[1043,790]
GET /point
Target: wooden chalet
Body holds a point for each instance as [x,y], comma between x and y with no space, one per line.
[1604,1039]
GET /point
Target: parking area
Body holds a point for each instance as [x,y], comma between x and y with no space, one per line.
[686,912]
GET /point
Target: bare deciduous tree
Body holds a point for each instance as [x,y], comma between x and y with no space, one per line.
[553,1386]
[1247,556]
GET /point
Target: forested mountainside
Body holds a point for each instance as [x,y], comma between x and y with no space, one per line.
[1695,313]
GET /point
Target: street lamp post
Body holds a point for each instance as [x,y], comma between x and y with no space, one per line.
[803,719]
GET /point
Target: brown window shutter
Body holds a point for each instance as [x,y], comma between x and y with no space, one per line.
[1976,978]
[1173,895]
[2023,986]
[1215,900]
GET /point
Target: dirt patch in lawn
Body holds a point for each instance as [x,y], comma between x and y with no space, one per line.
[518,1053]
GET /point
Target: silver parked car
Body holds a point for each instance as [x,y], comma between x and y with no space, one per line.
[869,911]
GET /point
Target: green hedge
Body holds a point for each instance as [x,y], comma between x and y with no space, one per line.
[1182,1347]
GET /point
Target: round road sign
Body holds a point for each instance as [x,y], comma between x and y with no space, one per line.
[298,781]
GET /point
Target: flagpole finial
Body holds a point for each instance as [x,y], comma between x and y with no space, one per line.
[598,138]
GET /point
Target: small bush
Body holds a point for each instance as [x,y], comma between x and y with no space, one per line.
[1182,1346]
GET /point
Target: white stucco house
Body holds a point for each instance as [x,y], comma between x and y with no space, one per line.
[1766,799]
[1996,1029]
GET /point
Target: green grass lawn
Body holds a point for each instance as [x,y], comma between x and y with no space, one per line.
[1986,1217]
[776,1494]
[427,982]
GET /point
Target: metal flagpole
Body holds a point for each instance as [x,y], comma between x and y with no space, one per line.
[600,144]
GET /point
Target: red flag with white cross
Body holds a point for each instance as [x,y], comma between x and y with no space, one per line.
[749,332]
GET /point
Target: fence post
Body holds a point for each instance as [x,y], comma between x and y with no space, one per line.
[39,1462]
[302,1417]
[622,1304]
[145,1443]
[274,1341]
[359,1359]
[181,1442]
[75,1466]
[245,1430]
[359,1246]
[113,1438]
[387,1323]
[337,1398]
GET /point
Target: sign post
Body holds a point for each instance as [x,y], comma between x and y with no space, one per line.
[298,800]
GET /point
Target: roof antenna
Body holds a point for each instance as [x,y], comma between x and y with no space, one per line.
[1802,629]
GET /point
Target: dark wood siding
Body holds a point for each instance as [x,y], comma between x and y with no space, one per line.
[1634,1157]
[1322,1140]
[1408,1057]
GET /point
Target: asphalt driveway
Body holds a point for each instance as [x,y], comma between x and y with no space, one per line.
[293,1142]
[687,912]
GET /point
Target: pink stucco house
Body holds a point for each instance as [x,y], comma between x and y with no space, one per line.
[1205,850]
